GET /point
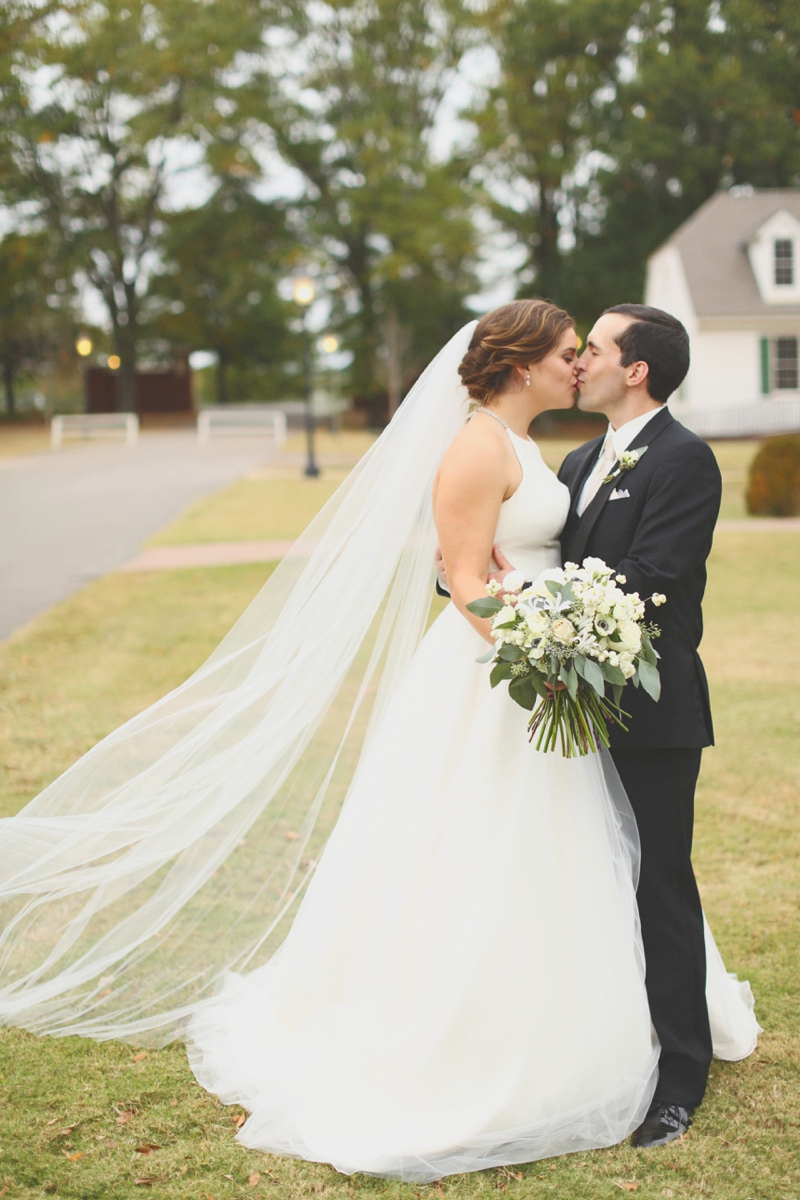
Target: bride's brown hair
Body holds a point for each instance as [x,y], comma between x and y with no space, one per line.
[522,332]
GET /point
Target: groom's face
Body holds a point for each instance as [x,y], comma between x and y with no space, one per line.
[601,380]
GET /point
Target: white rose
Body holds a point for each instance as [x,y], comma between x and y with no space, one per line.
[507,613]
[513,581]
[628,668]
[631,634]
[536,620]
[597,567]
[563,630]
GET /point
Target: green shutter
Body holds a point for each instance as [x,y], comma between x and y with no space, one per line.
[765,382]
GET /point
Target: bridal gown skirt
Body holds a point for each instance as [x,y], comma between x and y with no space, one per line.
[463,986]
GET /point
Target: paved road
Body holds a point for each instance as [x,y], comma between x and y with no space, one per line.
[68,517]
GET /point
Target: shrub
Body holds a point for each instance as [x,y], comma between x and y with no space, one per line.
[774,486]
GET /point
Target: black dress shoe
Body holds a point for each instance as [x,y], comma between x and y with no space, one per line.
[664,1123]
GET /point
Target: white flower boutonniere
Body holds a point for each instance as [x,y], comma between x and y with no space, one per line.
[626,462]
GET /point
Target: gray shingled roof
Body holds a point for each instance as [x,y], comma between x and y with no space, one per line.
[712,245]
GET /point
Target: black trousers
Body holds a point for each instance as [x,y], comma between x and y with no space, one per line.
[660,786]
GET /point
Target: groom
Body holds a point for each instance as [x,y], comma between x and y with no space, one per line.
[654,524]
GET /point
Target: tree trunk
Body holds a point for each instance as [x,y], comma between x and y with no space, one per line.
[222,378]
[547,257]
[395,342]
[8,381]
[125,343]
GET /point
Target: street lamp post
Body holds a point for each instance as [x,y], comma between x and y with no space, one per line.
[304,296]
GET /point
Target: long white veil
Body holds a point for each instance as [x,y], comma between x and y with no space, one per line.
[178,847]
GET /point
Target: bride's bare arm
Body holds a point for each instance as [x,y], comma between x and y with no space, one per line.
[477,473]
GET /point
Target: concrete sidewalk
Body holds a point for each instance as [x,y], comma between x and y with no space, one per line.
[66,518]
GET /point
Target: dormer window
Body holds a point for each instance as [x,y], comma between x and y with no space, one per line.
[784,262]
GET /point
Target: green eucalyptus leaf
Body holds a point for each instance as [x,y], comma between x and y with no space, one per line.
[485,606]
[612,674]
[510,653]
[594,676]
[487,657]
[538,682]
[500,671]
[650,679]
[523,692]
[570,678]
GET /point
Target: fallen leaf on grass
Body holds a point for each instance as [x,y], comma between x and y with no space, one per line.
[67,1129]
[147,1181]
[254,1178]
[73,1157]
[3,1191]
[125,1116]
[147,1148]
[240,1120]
[53,1121]
[628,1187]
[138,1057]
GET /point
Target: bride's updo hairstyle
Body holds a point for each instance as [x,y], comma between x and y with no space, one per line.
[519,333]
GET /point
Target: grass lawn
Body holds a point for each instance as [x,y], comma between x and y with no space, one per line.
[275,503]
[83,1120]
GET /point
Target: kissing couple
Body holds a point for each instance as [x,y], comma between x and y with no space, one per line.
[406,941]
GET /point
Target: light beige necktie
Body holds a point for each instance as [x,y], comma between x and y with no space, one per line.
[607,460]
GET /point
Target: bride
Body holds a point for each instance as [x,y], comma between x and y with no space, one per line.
[445,975]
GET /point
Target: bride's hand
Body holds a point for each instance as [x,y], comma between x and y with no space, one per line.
[440,569]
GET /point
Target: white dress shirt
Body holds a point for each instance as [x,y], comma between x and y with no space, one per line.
[620,440]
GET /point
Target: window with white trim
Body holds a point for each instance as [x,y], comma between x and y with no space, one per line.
[784,262]
[786,372]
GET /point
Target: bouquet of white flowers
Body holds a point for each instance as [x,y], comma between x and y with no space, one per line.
[561,641]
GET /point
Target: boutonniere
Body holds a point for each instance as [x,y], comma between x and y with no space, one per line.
[626,462]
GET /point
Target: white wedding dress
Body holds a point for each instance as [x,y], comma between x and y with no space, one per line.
[463,985]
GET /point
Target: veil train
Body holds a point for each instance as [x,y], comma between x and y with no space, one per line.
[178,847]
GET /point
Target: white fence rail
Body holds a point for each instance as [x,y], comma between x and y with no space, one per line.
[89,425]
[239,421]
[760,419]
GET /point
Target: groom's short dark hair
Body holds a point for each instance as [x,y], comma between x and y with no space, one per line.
[658,339]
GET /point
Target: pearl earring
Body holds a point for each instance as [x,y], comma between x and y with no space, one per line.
[527,380]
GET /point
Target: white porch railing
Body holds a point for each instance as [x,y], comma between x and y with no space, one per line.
[89,425]
[760,419]
[240,421]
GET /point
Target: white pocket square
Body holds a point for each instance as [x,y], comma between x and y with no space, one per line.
[620,494]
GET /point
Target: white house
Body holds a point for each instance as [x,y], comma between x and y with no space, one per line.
[731,274]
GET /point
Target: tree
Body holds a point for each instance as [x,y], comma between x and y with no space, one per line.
[544,121]
[393,223]
[613,122]
[216,289]
[712,103]
[134,88]
[36,308]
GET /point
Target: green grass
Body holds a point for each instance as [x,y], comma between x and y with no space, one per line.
[100,656]
[277,504]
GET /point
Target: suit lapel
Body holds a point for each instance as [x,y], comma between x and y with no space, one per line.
[588,519]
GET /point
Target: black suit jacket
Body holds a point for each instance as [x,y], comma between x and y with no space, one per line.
[659,538]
